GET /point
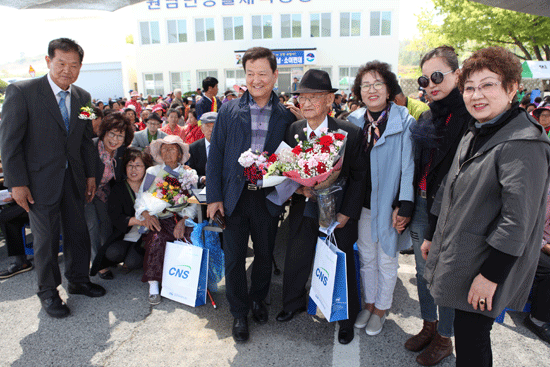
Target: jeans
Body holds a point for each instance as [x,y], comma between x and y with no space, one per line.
[428,308]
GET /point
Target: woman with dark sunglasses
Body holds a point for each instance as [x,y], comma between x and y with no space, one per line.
[436,136]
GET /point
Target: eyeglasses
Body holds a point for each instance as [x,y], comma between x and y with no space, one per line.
[487,88]
[436,77]
[118,137]
[135,166]
[315,99]
[377,86]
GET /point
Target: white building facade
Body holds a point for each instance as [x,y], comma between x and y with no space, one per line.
[180,42]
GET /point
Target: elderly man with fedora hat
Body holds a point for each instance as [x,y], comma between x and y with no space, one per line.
[316,95]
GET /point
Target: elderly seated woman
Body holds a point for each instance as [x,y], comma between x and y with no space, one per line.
[171,152]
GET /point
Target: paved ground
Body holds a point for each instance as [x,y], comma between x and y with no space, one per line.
[121,329]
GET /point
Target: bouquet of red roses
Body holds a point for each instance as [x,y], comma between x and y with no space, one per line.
[317,163]
[263,169]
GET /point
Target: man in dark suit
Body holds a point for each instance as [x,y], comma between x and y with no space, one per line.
[256,121]
[49,159]
[316,96]
[200,148]
[209,102]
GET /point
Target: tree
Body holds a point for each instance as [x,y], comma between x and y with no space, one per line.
[3,86]
[469,25]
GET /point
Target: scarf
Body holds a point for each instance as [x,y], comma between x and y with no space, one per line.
[371,134]
[108,173]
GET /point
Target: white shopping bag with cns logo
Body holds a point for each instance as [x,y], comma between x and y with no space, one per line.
[185,273]
[329,291]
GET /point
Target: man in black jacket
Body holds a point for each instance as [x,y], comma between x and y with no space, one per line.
[199,149]
[316,96]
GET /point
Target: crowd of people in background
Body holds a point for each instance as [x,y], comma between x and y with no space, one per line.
[461,180]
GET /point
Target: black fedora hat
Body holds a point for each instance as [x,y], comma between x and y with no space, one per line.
[315,81]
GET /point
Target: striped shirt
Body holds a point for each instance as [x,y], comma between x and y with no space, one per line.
[260,122]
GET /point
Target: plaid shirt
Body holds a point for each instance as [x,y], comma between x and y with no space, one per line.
[260,122]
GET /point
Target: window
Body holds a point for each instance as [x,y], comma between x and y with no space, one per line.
[202,74]
[262,27]
[291,25]
[380,23]
[181,80]
[153,84]
[150,33]
[346,76]
[233,28]
[350,24]
[204,29]
[177,31]
[320,25]
[233,77]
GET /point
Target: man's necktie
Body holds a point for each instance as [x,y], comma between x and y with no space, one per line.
[63,108]
[312,135]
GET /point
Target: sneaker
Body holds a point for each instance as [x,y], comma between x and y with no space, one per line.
[374,326]
[362,319]
[154,299]
[15,269]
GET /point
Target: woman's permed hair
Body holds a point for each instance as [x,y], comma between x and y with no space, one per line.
[118,122]
[496,59]
[382,68]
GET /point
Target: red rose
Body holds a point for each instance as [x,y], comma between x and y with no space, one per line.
[321,168]
[85,113]
[325,150]
[306,169]
[325,140]
[297,150]
[338,136]
[273,158]
[309,150]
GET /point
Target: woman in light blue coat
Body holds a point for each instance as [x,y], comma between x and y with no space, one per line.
[388,203]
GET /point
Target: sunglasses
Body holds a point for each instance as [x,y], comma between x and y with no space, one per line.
[436,77]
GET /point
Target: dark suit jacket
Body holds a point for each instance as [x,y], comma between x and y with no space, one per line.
[205,105]
[35,145]
[197,160]
[353,167]
[230,138]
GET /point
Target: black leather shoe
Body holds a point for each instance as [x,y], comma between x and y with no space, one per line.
[345,335]
[285,316]
[542,332]
[88,289]
[240,329]
[259,312]
[108,275]
[55,307]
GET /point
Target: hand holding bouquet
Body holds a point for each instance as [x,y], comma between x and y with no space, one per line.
[317,163]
